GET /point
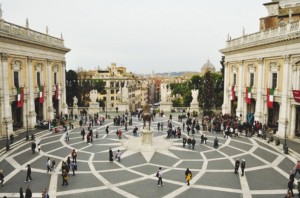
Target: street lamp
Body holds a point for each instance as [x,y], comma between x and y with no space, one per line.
[27,135]
[106,109]
[285,146]
[7,143]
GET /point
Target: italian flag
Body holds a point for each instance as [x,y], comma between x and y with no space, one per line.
[270,97]
[232,93]
[248,95]
[57,93]
[41,94]
[20,97]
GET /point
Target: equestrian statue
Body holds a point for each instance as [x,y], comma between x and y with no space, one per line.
[146,115]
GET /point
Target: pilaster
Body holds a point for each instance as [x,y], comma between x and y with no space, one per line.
[293,122]
[30,96]
[7,117]
[239,110]
[50,114]
[285,103]
[226,79]
[259,99]
[63,86]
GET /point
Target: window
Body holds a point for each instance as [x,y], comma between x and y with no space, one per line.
[234,79]
[112,92]
[38,78]
[55,78]
[251,79]
[112,98]
[274,80]
[111,84]
[16,79]
[117,84]
[104,98]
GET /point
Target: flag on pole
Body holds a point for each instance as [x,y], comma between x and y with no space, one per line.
[232,93]
[20,97]
[57,92]
[296,94]
[248,95]
[41,94]
[270,97]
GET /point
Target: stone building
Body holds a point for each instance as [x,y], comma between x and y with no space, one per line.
[208,66]
[121,86]
[32,76]
[262,70]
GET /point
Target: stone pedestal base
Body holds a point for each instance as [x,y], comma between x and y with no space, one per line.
[93,108]
[147,136]
[31,120]
[194,107]
[166,106]
[123,107]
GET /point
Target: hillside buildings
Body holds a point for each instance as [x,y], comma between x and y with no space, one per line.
[262,70]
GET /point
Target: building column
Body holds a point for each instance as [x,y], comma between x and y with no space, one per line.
[259,99]
[226,79]
[49,102]
[63,87]
[7,119]
[285,103]
[293,122]
[240,90]
[30,96]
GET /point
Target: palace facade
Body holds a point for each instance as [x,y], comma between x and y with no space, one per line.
[262,70]
[32,77]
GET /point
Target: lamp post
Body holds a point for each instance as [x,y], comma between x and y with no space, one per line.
[265,116]
[285,146]
[106,109]
[27,135]
[7,143]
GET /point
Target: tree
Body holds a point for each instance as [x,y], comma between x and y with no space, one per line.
[71,87]
[208,94]
[85,86]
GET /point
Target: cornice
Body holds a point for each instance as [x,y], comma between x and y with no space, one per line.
[32,44]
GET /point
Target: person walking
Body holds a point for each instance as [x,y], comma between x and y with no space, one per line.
[158,126]
[53,165]
[73,167]
[74,155]
[45,193]
[48,164]
[33,147]
[1,177]
[118,155]
[106,129]
[83,134]
[184,141]
[21,192]
[28,193]
[236,166]
[111,155]
[188,176]
[159,175]
[243,166]
[290,186]
[64,178]
[28,175]
[162,126]
[120,134]
[216,143]
[193,143]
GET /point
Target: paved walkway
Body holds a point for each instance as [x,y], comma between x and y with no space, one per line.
[266,174]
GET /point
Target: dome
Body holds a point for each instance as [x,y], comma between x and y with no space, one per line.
[208,66]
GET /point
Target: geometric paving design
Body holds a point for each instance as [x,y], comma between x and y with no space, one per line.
[266,172]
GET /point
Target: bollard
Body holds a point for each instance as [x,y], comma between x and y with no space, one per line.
[32,136]
[286,149]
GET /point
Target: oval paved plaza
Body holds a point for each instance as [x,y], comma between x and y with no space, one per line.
[266,173]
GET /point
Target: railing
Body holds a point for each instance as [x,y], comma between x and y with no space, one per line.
[289,3]
[268,34]
[28,34]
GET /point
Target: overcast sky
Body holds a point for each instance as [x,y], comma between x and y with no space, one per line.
[142,35]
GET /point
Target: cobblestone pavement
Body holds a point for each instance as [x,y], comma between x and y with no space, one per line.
[266,173]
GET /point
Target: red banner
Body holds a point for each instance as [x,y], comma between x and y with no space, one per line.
[296,94]
[232,93]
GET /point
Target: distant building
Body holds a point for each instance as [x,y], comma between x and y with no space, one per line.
[208,66]
[262,70]
[117,79]
[32,76]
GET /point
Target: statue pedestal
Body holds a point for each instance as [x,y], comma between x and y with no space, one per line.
[194,107]
[166,106]
[93,107]
[123,107]
[147,136]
